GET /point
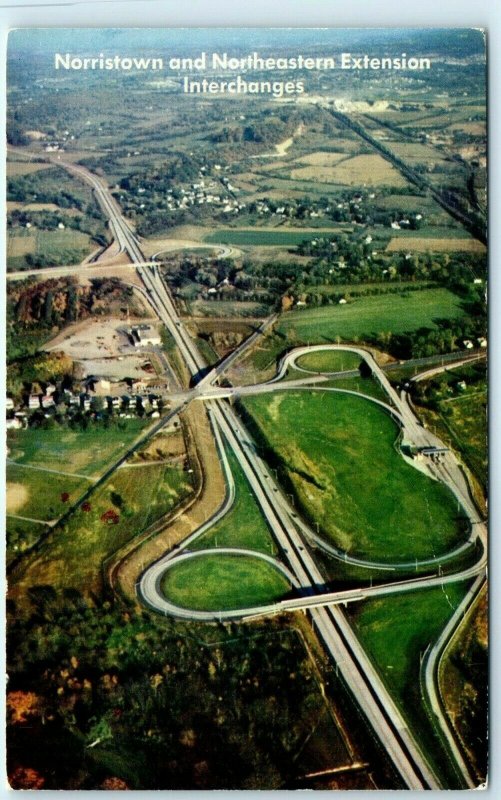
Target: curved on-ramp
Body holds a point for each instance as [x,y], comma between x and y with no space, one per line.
[150,586]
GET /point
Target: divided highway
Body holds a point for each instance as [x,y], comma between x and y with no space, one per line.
[352,663]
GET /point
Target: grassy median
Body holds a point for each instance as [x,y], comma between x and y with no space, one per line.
[244,525]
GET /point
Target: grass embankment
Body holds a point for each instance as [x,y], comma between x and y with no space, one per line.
[368,386]
[455,405]
[464,679]
[221,581]
[337,453]
[244,525]
[396,632]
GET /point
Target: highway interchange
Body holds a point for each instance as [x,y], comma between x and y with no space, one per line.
[292,535]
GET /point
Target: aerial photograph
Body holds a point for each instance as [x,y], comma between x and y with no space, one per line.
[246,456]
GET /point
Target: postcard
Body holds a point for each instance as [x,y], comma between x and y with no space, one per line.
[246,409]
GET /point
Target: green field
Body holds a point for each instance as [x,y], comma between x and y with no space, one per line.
[368,386]
[395,632]
[396,629]
[329,361]
[372,287]
[85,452]
[219,582]
[337,453]
[266,238]
[138,495]
[466,418]
[228,308]
[61,246]
[264,355]
[42,492]
[458,413]
[462,422]
[366,316]
[244,525]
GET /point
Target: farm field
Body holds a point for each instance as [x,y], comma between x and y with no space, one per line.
[320,158]
[361,170]
[244,525]
[60,246]
[365,316]
[12,205]
[319,172]
[24,167]
[84,452]
[215,581]
[267,238]
[337,452]
[423,244]
[377,287]
[73,555]
[415,152]
[227,308]
[281,184]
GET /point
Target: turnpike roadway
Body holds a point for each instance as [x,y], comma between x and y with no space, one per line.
[352,663]
[339,639]
[330,623]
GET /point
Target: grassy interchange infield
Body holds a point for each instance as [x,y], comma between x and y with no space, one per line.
[396,631]
[244,525]
[365,316]
[337,454]
[222,581]
[368,386]
[329,361]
